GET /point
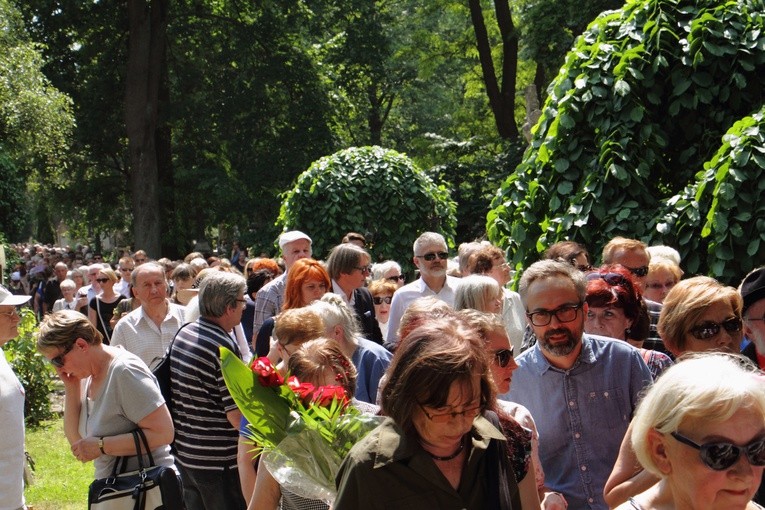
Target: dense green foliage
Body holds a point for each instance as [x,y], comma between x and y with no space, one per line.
[726,205]
[640,104]
[377,192]
[35,374]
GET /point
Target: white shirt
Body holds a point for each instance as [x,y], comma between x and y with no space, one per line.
[514,318]
[12,457]
[408,293]
[140,335]
[336,289]
[122,287]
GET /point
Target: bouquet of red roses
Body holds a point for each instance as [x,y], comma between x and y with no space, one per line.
[303,431]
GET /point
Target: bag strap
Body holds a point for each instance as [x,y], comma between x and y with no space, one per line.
[98,312]
[139,432]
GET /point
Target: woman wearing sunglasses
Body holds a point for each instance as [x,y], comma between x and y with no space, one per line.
[382,294]
[440,446]
[109,393]
[101,308]
[701,431]
[699,314]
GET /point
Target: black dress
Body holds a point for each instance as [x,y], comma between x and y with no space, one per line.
[104,312]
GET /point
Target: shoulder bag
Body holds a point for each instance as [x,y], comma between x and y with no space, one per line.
[149,488]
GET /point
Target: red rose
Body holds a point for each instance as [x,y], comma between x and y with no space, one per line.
[324,395]
[267,374]
[304,391]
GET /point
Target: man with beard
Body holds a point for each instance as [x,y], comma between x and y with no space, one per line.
[430,257]
[581,389]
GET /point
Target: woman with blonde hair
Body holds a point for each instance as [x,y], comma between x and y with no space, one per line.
[101,308]
[663,274]
[701,430]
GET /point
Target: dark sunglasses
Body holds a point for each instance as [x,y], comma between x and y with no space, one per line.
[58,361]
[381,300]
[430,257]
[721,456]
[399,278]
[638,271]
[364,269]
[710,329]
[610,278]
[503,357]
[102,280]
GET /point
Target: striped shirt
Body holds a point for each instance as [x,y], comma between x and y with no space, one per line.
[204,438]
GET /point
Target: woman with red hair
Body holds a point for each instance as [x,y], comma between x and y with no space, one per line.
[616,310]
[307,281]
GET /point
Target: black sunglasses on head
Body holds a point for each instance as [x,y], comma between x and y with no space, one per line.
[721,456]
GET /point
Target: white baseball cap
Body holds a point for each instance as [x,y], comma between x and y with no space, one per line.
[7,298]
[291,236]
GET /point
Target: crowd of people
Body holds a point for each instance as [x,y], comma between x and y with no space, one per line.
[619,385]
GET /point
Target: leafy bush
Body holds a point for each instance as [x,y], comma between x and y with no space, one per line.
[35,374]
[640,104]
[726,205]
[377,192]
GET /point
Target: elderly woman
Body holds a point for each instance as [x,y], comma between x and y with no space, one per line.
[109,393]
[101,308]
[616,310]
[699,314]
[382,294]
[370,359]
[439,447]
[663,274]
[701,431]
[389,270]
[307,281]
[478,292]
[321,363]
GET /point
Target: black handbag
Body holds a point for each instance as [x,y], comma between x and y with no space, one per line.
[149,488]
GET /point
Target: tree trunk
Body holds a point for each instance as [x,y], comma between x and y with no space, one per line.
[501,100]
[146,58]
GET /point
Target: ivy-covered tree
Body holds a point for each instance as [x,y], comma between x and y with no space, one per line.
[718,222]
[371,190]
[640,104]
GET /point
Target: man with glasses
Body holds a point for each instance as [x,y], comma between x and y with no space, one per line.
[349,266]
[12,456]
[581,389]
[125,268]
[634,256]
[430,257]
[752,290]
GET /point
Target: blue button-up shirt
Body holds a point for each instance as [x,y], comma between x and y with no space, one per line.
[581,413]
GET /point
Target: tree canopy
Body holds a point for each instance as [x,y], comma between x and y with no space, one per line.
[642,101]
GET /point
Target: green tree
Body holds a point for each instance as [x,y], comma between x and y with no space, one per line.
[640,104]
[378,192]
[35,123]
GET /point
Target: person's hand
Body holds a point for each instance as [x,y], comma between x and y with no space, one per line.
[274,356]
[71,382]
[554,501]
[86,449]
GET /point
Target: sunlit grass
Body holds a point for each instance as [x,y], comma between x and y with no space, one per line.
[60,481]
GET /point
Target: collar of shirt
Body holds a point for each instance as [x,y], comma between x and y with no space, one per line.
[394,445]
[340,292]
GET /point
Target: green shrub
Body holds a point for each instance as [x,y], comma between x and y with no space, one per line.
[34,372]
[374,191]
[640,104]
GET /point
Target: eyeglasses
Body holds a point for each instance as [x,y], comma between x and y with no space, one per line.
[584,268]
[102,280]
[430,257]
[446,417]
[659,285]
[126,269]
[721,456]
[503,357]
[609,278]
[381,300]
[241,300]
[10,313]
[58,361]
[364,269]
[565,313]
[710,329]
[638,271]
[399,278]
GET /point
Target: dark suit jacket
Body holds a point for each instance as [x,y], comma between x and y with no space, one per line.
[365,313]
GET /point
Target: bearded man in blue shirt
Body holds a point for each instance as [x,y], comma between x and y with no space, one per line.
[581,389]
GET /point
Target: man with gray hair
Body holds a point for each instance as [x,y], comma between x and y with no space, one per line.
[205,416]
[430,257]
[581,389]
[348,266]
